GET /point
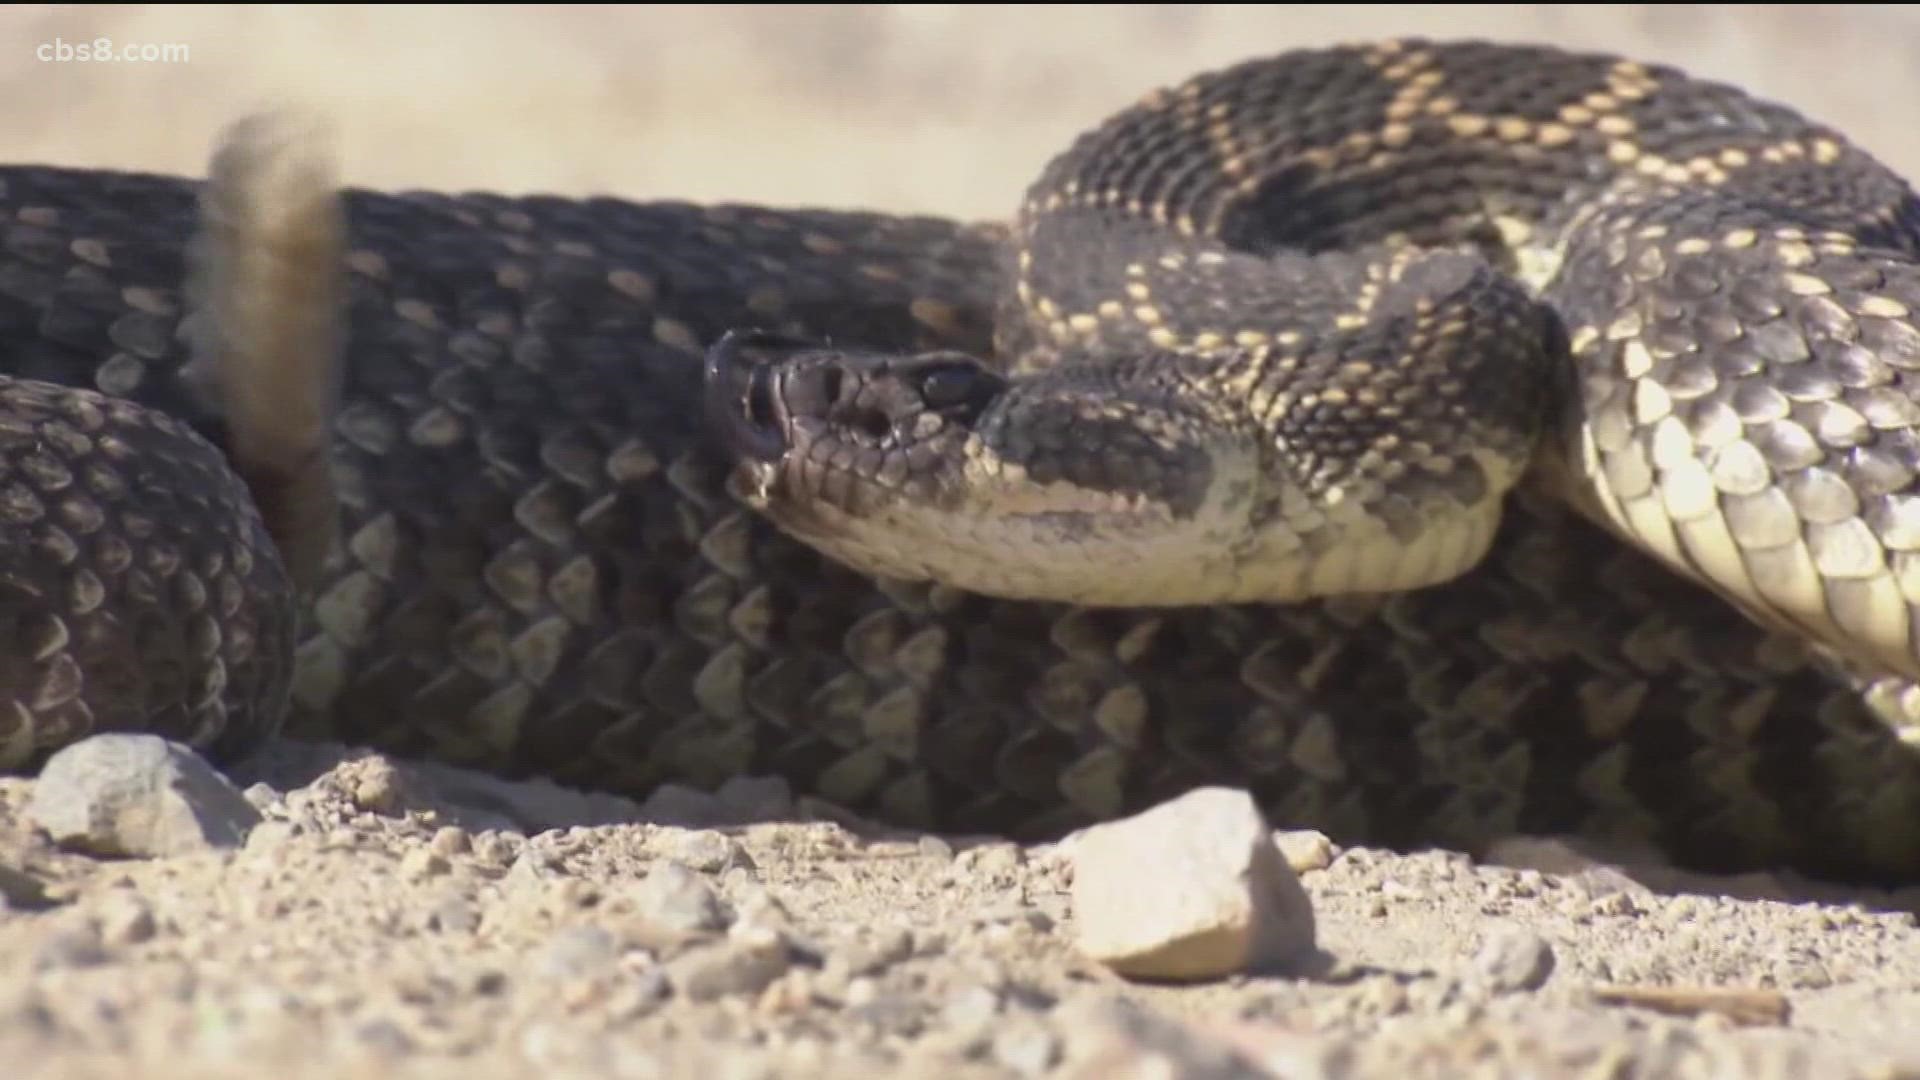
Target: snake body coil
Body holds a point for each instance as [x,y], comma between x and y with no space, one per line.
[1353,345]
[1269,351]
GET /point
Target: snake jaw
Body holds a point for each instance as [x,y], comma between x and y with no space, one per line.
[744,413]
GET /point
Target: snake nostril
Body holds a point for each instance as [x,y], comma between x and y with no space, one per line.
[871,423]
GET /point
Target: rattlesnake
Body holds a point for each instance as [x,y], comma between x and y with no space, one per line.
[540,564]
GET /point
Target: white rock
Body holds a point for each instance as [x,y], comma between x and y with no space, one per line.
[138,795]
[1192,889]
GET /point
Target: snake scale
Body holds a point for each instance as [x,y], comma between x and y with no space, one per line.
[1653,308]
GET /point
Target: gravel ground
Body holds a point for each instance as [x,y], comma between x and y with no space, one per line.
[386,918]
[378,917]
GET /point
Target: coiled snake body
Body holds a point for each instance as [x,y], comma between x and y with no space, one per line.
[1352,345]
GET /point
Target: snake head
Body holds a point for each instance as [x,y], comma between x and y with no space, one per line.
[821,436]
[935,466]
[1157,479]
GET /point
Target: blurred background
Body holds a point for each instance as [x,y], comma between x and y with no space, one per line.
[940,108]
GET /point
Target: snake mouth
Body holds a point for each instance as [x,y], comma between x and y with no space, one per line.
[744,400]
[816,424]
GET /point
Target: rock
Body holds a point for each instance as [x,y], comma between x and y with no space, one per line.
[262,797]
[1191,889]
[746,963]
[138,795]
[989,862]
[375,785]
[675,898]
[1305,849]
[535,867]
[1513,959]
[451,840]
[706,850]
[420,864]
[498,849]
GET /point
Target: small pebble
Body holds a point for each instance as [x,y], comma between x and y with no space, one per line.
[675,898]
[535,867]
[1604,881]
[706,850]
[1305,849]
[989,862]
[498,849]
[419,864]
[377,786]
[1614,904]
[449,841]
[262,797]
[1513,959]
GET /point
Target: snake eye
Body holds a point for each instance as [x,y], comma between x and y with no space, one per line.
[958,386]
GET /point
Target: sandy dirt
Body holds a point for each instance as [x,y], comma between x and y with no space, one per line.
[387,918]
